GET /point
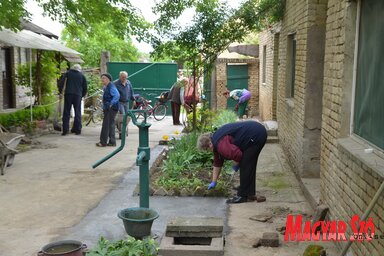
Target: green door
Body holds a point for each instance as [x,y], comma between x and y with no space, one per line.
[237,78]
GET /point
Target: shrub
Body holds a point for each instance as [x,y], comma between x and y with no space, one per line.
[22,117]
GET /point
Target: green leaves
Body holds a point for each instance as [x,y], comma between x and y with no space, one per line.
[10,13]
[125,19]
[127,247]
[101,36]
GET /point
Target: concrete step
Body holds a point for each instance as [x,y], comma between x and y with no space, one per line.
[272,132]
[195,227]
[273,139]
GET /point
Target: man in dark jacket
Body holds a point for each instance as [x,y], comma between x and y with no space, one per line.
[74,86]
[241,142]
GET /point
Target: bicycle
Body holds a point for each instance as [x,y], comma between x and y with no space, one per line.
[158,111]
[96,110]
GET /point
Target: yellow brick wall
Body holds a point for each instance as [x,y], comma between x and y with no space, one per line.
[266,99]
[290,112]
[348,183]
[253,84]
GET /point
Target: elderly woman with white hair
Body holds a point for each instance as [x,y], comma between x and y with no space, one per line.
[73,85]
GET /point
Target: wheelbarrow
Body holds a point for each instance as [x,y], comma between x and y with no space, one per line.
[8,144]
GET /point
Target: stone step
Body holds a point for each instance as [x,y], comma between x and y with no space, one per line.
[195,227]
[273,139]
[272,133]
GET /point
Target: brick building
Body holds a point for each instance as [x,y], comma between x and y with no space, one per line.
[326,61]
[247,78]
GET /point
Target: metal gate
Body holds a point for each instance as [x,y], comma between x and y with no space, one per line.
[237,78]
[147,79]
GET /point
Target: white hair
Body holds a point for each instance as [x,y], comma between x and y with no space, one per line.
[124,72]
[77,67]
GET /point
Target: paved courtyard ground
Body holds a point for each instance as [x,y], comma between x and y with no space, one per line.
[51,193]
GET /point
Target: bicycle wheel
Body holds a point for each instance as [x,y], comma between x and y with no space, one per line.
[148,109]
[160,111]
[91,111]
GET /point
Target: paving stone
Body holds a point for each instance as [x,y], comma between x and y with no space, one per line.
[161,192]
[270,239]
[261,218]
[184,192]
[199,191]
[257,243]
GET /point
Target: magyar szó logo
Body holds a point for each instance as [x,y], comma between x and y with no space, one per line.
[328,230]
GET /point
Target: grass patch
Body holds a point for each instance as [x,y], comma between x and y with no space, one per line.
[276,181]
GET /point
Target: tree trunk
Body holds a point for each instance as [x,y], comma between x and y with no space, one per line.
[38,76]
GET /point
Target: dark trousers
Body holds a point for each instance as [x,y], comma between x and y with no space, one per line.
[248,170]
[175,113]
[107,134]
[69,101]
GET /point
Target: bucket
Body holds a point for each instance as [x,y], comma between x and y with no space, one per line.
[138,221]
[63,248]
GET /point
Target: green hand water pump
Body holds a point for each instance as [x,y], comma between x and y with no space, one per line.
[143,153]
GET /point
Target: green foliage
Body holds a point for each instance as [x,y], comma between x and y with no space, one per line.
[188,168]
[123,17]
[10,13]
[204,119]
[101,36]
[22,117]
[185,166]
[48,80]
[313,250]
[213,28]
[94,83]
[127,247]
[224,117]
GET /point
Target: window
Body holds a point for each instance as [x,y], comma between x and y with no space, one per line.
[264,63]
[291,65]
[368,115]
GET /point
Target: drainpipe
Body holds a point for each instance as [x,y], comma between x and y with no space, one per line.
[365,215]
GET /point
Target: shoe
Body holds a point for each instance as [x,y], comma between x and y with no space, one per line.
[111,144]
[99,144]
[237,200]
[75,132]
[63,133]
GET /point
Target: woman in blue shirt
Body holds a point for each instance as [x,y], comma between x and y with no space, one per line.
[110,107]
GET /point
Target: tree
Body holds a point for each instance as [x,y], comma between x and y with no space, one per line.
[10,13]
[125,19]
[213,28]
[102,36]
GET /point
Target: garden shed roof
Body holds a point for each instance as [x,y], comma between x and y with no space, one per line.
[29,39]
